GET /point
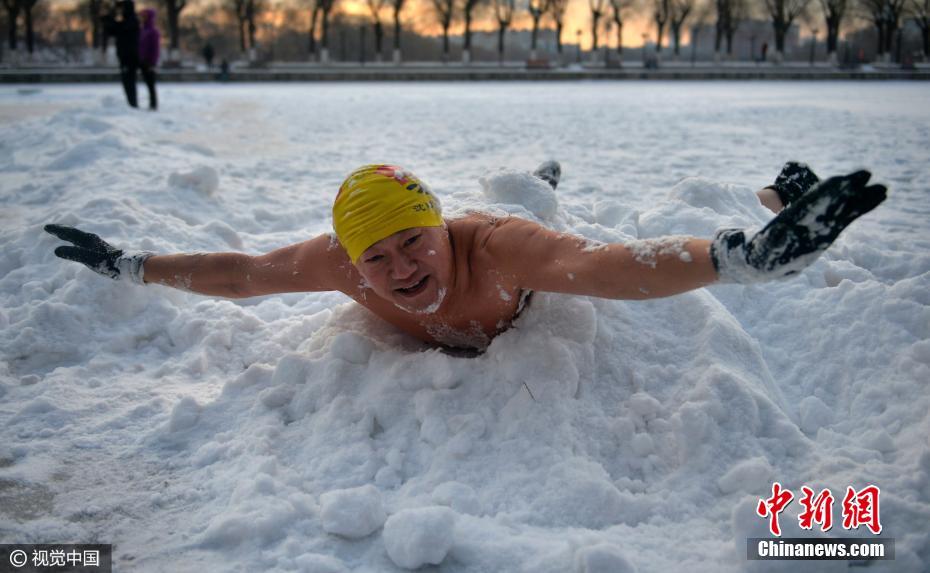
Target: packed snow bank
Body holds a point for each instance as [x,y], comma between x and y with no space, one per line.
[300,433]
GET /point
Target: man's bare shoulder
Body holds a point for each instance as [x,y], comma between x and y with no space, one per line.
[478,228]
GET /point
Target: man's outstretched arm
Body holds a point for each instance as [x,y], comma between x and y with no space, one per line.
[538,258]
[314,265]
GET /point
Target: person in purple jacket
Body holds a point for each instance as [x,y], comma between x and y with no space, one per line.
[149,46]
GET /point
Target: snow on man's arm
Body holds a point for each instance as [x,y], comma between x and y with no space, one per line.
[318,264]
[538,258]
[541,259]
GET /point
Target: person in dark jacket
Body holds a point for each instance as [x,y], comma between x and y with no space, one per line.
[149,51]
[126,31]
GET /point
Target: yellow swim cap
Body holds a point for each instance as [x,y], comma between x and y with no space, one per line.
[376,201]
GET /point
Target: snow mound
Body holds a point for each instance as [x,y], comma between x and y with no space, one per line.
[203,179]
[511,187]
[602,558]
[353,513]
[86,153]
[421,536]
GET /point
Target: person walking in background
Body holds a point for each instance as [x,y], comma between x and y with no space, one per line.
[126,31]
[149,51]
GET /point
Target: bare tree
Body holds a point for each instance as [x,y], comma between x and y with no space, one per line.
[783,13]
[315,9]
[537,9]
[468,10]
[557,9]
[12,16]
[238,8]
[618,14]
[27,7]
[679,10]
[445,10]
[503,10]
[375,7]
[660,16]
[93,9]
[833,12]
[398,6]
[597,12]
[921,11]
[885,15]
[703,14]
[738,13]
[173,9]
[326,7]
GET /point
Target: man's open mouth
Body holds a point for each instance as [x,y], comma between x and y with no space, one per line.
[414,289]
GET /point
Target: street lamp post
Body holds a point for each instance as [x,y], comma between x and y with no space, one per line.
[813,43]
[578,39]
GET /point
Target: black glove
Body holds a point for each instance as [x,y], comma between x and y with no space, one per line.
[99,255]
[798,235]
[794,181]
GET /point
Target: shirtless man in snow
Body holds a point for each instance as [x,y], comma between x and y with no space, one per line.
[460,282]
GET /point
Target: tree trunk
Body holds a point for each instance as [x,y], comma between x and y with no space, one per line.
[324,37]
[890,31]
[660,28]
[96,31]
[397,29]
[925,36]
[445,43]
[500,43]
[594,19]
[558,37]
[30,36]
[780,31]
[676,36]
[173,28]
[879,50]
[12,15]
[242,35]
[730,34]
[619,40]
[467,46]
[833,33]
[535,32]
[314,16]
[252,32]
[379,37]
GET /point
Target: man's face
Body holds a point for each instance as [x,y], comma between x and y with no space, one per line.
[411,268]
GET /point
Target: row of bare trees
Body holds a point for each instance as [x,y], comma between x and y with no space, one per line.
[885,15]
[669,17]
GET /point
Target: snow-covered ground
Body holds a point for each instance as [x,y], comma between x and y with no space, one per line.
[300,433]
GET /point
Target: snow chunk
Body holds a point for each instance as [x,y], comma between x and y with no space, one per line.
[749,475]
[458,496]
[602,558]
[520,188]
[354,512]
[814,414]
[416,537]
[316,563]
[203,179]
[184,415]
